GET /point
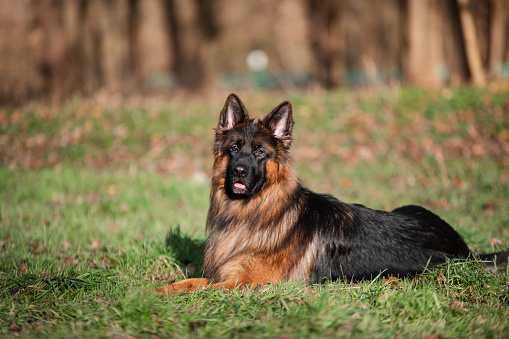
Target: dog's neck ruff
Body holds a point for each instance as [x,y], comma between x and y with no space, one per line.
[250,225]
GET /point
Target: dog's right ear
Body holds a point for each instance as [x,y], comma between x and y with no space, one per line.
[233,113]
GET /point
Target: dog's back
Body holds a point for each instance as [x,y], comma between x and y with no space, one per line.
[399,243]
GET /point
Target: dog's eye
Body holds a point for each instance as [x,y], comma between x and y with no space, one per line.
[260,151]
[234,148]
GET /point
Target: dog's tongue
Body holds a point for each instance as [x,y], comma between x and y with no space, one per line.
[239,185]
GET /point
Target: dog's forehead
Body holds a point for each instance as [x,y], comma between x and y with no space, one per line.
[249,131]
[252,132]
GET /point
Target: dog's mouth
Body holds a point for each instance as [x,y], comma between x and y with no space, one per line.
[239,185]
[240,188]
[243,188]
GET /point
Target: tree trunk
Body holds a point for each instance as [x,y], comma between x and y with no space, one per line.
[498,15]
[424,44]
[48,17]
[322,22]
[133,62]
[187,65]
[471,45]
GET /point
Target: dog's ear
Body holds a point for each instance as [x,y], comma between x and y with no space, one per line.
[233,113]
[280,120]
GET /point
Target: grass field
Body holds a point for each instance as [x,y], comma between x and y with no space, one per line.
[100,204]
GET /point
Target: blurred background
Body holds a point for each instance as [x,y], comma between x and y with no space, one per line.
[56,48]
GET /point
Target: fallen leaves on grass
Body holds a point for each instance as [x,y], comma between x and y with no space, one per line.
[391,282]
[112,228]
[495,241]
[103,263]
[457,304]
[193,325]
[41,136]
[95,243]
[14,328]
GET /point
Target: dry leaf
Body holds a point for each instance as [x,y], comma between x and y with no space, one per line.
[95,243]
[392,281]
[495,241]
[108,260]
[96,265]
[345,182]
[111,190]
[123,208]
[14,328]
[456,304]
[112,228]
[309,291]
[92,197]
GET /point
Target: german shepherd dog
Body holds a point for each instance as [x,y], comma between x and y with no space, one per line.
[266,227]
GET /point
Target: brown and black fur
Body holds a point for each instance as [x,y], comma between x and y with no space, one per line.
[266,227]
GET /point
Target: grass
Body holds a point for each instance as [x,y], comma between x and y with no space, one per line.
[99,205]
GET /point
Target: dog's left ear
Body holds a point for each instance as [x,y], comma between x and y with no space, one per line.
[233,113]
[280,120]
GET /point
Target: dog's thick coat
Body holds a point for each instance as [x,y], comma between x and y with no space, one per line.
[266,227]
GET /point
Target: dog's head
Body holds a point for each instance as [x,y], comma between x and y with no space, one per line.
[252,147]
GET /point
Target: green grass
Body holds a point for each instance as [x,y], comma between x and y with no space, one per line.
[99,205]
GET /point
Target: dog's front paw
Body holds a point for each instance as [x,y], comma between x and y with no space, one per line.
[165,290]
[183,286]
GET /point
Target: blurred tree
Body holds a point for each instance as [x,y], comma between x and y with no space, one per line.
[88,45]
[188,64]
[472,47]
[58,48]
[55,66]
[373,36]
[424,43]
[324,39]
[207,18]
[133,57]
[498,29]
[453,68]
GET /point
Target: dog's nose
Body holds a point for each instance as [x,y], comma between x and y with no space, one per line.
[240,171]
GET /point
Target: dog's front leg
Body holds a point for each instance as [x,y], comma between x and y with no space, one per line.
[196,284]
[233,284]
[183,286]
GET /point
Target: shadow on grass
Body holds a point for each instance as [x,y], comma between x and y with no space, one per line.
[188,251]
